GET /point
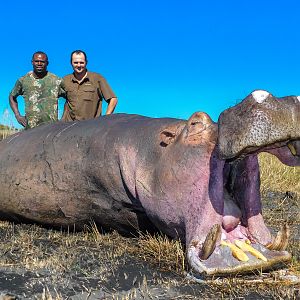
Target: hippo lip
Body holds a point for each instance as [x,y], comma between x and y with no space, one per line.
[288,144]
[222,260]
[217,265]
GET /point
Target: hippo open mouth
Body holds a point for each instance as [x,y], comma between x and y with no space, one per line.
[196,179]
[241,242]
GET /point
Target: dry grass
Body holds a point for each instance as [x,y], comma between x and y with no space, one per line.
[277,177]
[167,254]
[4,133]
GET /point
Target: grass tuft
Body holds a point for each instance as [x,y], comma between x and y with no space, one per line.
[166,253]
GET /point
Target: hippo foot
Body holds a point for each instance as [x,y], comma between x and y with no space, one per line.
[238,256]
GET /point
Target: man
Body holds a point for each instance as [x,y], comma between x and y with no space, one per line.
[41,90]
[85,91]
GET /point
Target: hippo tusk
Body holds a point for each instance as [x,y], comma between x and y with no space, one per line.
[292,148]
[281,241]
[210,242]
[248,248]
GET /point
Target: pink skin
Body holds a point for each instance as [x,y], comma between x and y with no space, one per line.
[181,186]
[238,233]
[190,211]
[246,190]
[187,191]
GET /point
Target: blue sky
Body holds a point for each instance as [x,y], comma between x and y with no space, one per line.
[162,58]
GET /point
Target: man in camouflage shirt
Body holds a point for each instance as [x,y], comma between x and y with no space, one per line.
[41,90]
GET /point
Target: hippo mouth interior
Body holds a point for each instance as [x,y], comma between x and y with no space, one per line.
[234,246]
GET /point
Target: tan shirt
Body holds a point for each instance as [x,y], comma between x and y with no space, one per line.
[84,99]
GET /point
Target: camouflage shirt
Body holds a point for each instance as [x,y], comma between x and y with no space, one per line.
[40,96]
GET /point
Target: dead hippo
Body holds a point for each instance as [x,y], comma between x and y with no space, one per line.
[195,180]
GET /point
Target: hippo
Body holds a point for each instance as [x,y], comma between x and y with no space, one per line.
[195,180]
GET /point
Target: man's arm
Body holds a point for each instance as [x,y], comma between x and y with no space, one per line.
[63,118]
[14,106]
[62,93]
[112,103]
[106,93]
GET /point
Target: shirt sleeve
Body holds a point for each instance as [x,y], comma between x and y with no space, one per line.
[17,89]
[61,89]
[105,90]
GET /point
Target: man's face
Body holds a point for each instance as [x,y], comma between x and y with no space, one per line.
[39,63]
[79,63]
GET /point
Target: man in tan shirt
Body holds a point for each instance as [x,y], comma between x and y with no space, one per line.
[85,91]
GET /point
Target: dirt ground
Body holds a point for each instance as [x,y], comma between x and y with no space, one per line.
[39,263]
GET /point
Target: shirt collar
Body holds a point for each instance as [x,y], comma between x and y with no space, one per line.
[85,78]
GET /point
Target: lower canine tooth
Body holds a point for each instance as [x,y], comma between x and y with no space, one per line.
[210,241]
[236,252]
[281,241]
[246,247]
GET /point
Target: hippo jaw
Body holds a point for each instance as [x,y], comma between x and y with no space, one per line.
[261,121]
[209,225]
[226,251]
[225,260]
[237,224]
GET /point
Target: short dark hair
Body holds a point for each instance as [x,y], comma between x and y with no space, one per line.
[79,52]
[39,52]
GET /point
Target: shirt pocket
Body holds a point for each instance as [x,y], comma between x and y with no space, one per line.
[88,93]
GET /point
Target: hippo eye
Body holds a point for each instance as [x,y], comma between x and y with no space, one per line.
[260,95]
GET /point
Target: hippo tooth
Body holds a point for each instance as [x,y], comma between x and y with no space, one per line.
[209,244]
[260,95]
[292,148]
[238,253]
[281,241]
[246,247]
[298,98]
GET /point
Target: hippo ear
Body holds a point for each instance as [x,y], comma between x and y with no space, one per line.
[200,128]
[169,134]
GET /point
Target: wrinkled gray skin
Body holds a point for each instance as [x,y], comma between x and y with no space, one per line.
[128,172]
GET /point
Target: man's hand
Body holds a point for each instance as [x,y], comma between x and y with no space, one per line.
[21,120]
